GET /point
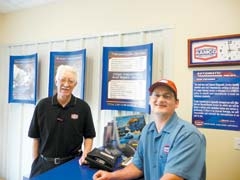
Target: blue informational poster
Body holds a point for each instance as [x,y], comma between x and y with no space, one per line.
[127,74]
[76,59]
[23,79]
[216,99]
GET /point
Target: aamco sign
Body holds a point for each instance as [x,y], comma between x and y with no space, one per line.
[205,52]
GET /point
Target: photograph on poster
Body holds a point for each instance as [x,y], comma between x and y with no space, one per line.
[129,128]
[216,102]
[126,76]
[73,58]
[23,79]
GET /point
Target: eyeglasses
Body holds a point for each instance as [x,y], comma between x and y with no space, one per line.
[69,81]
[166,96]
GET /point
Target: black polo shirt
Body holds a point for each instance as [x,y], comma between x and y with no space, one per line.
[61,129]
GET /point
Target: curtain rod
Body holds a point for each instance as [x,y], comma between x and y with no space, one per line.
[163,28]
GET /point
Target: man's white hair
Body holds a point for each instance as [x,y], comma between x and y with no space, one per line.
[63,68]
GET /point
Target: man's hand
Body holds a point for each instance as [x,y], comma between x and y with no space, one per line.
[102,175]
[82,159]
[129,172]
[87,148]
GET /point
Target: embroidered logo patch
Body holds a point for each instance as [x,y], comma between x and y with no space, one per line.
[74,116]
[166,149]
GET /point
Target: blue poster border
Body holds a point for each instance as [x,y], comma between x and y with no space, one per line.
[22,60]
[105,76]
[53,66]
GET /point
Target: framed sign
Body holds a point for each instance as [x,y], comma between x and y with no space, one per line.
[216,50]
[23,79]
[126,76]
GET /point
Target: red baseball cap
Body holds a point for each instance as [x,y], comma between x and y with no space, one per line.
[164,82]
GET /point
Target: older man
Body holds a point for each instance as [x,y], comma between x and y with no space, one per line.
[60,124]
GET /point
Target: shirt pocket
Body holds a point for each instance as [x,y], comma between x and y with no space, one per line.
[163,158]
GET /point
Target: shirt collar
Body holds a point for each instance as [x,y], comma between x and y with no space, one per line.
[71,103]
[172,121]
[168,127]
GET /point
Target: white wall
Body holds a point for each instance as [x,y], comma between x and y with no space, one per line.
[1,32]
[74,18]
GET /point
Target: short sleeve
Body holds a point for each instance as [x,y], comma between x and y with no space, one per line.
[89,130]
[33,131]
[186,157]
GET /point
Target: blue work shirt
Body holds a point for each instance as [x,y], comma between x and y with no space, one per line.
[178,149]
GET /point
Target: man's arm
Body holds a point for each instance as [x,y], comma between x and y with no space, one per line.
[88,142]
[35,148]
[129,172]
[169,176]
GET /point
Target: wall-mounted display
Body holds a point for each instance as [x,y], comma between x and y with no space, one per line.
[23,79]
[217,50]
[127,74]
[73,58]
[216,99]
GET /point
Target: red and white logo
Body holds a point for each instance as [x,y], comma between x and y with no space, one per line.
[74,116]
[198,123]
[166,149]
[205,52]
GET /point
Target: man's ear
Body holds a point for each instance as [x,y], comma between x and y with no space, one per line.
[75,84]
[177,103]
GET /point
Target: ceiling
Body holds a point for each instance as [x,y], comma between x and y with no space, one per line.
[8,6]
